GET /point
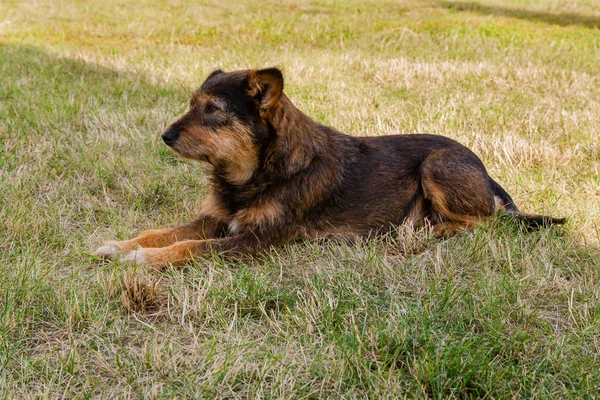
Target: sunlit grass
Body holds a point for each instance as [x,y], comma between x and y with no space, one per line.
[85,89]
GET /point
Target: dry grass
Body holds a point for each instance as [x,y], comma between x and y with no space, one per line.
[85,88]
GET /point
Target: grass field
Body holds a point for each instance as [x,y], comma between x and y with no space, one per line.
[85,90]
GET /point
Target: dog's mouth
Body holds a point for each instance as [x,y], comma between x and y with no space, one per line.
[196,156]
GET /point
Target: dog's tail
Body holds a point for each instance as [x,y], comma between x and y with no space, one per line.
[507,206]
[535,221]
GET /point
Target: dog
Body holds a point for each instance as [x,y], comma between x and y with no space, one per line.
[277,175]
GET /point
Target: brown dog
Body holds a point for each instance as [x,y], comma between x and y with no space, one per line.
[278,175]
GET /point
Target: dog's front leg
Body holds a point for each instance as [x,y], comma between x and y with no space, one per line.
[205,227]
[235,247]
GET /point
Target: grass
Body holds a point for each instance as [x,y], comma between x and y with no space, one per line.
[85,89]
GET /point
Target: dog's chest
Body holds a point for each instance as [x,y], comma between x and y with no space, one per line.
[235,226]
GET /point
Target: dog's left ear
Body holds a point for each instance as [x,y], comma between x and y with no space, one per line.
[266,87]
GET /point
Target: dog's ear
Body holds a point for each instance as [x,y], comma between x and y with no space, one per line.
[266,87]
[214,73]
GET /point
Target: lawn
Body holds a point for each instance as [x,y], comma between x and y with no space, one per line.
[86,87]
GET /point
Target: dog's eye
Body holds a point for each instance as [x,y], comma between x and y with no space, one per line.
[210,108]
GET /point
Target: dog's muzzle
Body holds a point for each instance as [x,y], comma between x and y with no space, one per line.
[170,137]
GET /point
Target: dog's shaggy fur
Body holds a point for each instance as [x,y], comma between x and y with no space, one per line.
[278,175]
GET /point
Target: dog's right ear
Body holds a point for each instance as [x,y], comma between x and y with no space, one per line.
[266,87]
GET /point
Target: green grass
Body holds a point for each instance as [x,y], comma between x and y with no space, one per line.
[85,89]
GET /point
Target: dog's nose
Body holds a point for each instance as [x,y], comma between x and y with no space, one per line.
[170,136]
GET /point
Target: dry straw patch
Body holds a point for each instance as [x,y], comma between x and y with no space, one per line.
[141,293]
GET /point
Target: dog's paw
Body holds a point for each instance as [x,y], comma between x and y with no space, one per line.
[148,257]
[138,257]
[157,258]
[109,251]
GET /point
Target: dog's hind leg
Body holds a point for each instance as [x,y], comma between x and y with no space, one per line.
[457,184]
[203,228]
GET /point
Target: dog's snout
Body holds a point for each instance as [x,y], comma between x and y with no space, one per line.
[170,136]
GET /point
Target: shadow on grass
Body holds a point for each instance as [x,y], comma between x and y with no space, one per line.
[69,130]
[561,19]
[39,90]
[55,118]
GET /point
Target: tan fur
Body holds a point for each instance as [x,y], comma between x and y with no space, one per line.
[199,98]
[176,254]
[151,238]
[499,204]
[416,214]
[265,213]
[438,198]
[269,87]
[232,146]
[212,206]
[446,229]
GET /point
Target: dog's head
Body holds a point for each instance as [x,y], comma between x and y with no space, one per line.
[227,120]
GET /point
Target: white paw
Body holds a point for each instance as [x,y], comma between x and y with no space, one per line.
[108,251]
[137,257]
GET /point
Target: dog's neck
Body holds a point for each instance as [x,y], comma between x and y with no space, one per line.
[299,146]
[299,139]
